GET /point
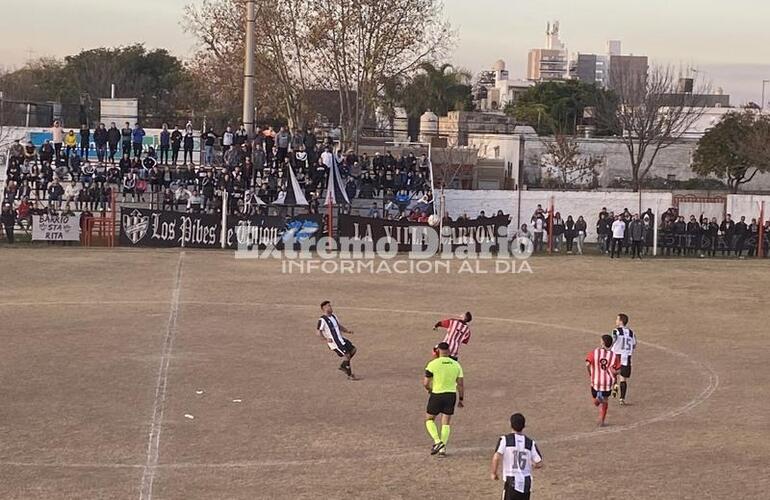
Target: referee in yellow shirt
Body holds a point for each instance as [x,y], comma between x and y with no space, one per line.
[444,381]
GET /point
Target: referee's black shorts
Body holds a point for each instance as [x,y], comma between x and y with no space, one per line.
[443,403]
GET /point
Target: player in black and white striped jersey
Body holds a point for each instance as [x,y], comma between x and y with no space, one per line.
[330,331]
[624,344]
[519,455]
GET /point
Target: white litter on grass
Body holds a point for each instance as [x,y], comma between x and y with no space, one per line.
[187,415]
[199,392]
[237,400]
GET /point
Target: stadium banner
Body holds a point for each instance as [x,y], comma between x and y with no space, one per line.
[705,242]
[409,234]
[56,227]
[151,228]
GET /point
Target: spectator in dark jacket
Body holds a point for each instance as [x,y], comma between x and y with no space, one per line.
[581,230]
[100,141]
[727,228]
[8,220]
[636,236]
[85,141]
[569,233]
[741,233]
[113,138]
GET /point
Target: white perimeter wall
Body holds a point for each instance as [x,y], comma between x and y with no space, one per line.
[588,204]
[747,205]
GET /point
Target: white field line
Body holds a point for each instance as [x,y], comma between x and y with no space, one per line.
[161,387]
[706,371]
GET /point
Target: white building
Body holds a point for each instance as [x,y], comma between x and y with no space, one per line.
[550,62]
[504,90]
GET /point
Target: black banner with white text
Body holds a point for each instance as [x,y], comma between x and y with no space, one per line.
[150,228]
[409,234]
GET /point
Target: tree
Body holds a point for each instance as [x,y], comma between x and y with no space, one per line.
[566,165]
[159,80]
[555,107]
[283,55]
[439,89]
[354,47]
[649,113]
[735,149]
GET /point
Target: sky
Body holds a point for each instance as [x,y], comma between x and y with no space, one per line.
[727,42]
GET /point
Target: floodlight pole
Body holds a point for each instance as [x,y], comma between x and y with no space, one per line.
[249,67]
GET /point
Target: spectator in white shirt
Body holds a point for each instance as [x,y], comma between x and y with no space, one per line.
[618,233]
[538,228]
[522,235]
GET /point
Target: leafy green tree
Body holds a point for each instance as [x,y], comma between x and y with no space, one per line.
[439,89]
[159,80]
[736,149]
[554,107]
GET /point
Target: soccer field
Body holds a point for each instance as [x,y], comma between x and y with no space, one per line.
[105,354]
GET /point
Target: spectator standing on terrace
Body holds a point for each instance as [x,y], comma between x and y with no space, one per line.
[727,228]
[8,219]
[113,138]
[558,231]
[188,143]
[282,143]
[126,134]
[741,233]
[209,140]
[176,144]
[100,141]
[57,133]
[569,232]
[85,141]
[227,140]
[165,144]
[582,230]
[618,233]
[636,236]
[538,228]
[137,139]
[604,231]
[241,136]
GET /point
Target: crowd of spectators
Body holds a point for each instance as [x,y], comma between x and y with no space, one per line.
[87,169]
[632,234]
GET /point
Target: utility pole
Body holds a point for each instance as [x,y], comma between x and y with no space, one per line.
[762,104]
[249,67]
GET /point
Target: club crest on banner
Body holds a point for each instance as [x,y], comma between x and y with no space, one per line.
[135,226]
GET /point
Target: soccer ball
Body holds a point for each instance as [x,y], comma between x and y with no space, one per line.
[434,220]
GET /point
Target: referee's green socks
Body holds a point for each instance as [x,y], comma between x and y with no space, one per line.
[445,430]
[432,430]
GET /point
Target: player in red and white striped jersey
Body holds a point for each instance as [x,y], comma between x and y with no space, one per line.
[603,366]
[457,332]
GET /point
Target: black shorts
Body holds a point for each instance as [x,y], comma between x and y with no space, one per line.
[347,348]
[606,394]
[625,370]
[441,403]
[509,493]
